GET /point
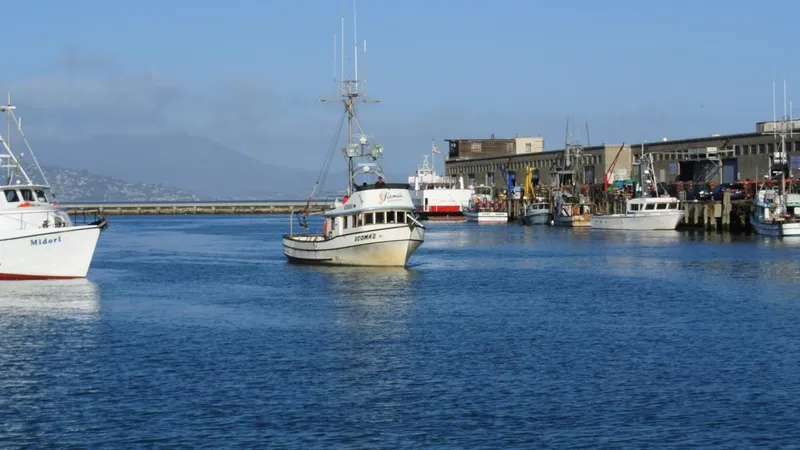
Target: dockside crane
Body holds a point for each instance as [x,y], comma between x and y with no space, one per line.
[611,169]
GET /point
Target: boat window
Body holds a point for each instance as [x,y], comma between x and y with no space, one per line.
[401,217]
[27,195]
[368,219]
[344,222]
[662,206]
[650,206]
[634,206]
[11,196]
[380,217]
[390,217]
[40,197]
[357,222]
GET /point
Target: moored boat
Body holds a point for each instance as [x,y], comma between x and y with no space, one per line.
[647,211]
[483,207]
[537,213]
[437,197]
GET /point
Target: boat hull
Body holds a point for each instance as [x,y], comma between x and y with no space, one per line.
[487,216]
[538,218]
[49,253]
[644,222]
[573,221]
[388,246]
[775,229]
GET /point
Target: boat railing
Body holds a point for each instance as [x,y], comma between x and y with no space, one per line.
[51,219]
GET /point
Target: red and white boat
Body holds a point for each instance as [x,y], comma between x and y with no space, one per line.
[438,197]
[37,238]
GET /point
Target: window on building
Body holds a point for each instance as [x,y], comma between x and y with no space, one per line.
[528,147]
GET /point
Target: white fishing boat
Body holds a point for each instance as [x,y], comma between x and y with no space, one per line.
[646,211]
[437,197]
[37,238]
[776,212]
[483,207]
[374,223]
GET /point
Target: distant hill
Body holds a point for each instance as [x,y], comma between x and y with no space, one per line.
[191,165]
[83,186]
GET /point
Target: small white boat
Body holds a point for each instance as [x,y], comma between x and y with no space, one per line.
[644,212]
[774,214]
[483,208]
[374,223]
[37,238]
[537,214]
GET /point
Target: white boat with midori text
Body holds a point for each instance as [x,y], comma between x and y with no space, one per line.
[37,238]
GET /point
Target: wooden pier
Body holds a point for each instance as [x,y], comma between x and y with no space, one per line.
[169,208]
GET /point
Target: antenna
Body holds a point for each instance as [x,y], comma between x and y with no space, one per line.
[364,82]
[774,118]
[342,62]
[784,99]
[334,58]
[355,46]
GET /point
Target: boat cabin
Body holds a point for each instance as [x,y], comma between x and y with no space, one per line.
[24,195]
[652,204]
[538,206]
[366,187]
[343,224]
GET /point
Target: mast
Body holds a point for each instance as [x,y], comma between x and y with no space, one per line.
[352,92]
[8,137]
[778,160]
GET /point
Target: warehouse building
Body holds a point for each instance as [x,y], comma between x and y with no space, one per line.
[716,158]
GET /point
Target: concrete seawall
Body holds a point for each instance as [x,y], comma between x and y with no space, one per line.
[110,209]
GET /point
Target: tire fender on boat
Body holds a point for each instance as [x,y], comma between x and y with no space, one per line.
[24,204]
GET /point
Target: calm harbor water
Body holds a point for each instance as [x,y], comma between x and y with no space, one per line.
[195,332]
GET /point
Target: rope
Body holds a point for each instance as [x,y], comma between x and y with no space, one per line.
[323,175]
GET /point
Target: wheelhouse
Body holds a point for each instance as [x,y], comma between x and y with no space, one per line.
[653,204]
[27,195]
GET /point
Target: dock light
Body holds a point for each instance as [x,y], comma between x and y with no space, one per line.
[362,139]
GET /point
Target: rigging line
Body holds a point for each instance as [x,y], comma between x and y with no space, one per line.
[324,170]
[30,150]
[331,152]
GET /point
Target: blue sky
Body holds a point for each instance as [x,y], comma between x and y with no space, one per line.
[247,73]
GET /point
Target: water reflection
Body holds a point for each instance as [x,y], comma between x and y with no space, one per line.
[656,237]
[67,299]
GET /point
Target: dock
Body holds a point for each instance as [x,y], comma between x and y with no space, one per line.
[172,208]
